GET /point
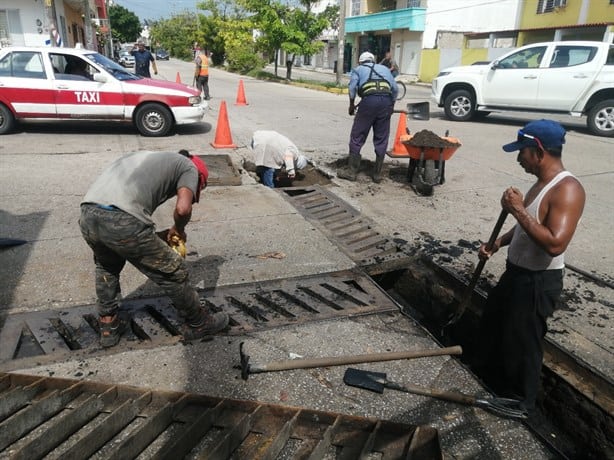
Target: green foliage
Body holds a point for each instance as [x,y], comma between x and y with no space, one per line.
[292,29]
[176,34]
[125,25]
[241,55]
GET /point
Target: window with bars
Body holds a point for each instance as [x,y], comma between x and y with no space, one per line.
[547,6]
[416,3]
[355,8]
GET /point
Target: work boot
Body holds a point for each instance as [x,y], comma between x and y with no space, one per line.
[111,330]
[377,169]
[205,323]
[351,171]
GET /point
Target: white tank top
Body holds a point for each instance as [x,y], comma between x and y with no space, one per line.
[523,251]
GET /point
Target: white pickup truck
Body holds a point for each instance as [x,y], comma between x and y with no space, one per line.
[566,77]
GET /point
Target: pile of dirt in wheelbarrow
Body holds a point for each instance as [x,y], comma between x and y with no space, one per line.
[426,138]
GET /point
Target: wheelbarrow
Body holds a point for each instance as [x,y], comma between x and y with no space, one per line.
[427,163]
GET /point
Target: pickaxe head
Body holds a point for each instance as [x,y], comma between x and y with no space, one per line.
[244,363]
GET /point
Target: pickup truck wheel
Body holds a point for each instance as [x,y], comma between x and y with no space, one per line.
[7,120]
[600,119]
[153,120]
[459,105]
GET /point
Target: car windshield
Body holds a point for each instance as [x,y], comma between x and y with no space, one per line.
[112,67]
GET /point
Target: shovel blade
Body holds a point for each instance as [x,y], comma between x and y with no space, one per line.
[419,110]
[367,380]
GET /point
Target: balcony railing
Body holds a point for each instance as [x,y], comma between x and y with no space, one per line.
[407,18]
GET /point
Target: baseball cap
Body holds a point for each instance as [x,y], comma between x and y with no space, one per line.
[300,162]
[540,133]
[365,57]
[203,174]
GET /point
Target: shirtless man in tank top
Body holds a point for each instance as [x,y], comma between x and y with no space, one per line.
[514,321]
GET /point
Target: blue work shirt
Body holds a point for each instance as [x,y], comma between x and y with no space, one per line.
[360,75]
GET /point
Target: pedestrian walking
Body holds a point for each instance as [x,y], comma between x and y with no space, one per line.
[201,73]
[142,58]
[377,90]
[389,62]
[116,223]
[514,321]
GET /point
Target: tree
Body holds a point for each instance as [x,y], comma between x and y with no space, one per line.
[125,25]
[293,29]
[176,34]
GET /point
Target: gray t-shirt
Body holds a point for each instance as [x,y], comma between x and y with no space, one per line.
[140,182]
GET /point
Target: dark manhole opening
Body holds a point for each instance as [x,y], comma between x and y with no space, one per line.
[412,288]
[309,175]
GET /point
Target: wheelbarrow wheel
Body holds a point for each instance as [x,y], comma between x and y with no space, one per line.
[430,172]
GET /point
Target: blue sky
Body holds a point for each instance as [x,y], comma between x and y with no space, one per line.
[157,9]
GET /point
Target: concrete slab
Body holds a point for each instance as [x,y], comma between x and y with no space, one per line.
[209,368]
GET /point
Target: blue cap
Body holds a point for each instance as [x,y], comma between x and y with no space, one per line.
[548,133]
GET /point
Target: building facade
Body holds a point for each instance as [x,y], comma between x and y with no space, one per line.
[54,22]
[530,21]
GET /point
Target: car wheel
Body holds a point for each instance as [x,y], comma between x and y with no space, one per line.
[600,119]
[153,120]
[459,105]
[7,120]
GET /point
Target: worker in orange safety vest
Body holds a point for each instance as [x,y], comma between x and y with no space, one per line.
[201,73]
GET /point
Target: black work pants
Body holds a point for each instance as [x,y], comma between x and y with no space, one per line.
[116,237]
[202,83]
[374,112]
[512,330]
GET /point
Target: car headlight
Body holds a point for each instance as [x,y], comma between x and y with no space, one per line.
[194,100]
[443,74]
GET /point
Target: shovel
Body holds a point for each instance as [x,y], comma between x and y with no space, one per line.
[376,381]
[466,298]
[419,110]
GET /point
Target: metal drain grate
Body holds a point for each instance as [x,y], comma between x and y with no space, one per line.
[344,225]
[47,336]
[71,419]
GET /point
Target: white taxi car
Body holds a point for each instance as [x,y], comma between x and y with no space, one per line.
[47,83]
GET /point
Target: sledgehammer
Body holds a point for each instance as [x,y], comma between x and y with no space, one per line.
[247,368]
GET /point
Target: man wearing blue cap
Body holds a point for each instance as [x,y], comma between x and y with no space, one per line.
[514,320]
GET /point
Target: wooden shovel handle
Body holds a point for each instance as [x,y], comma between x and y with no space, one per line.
[435,393]
[467,294]
[356,359]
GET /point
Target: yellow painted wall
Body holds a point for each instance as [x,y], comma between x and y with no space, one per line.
[561,17]
[471,55]
[429,65]
[534,36]
[600,12]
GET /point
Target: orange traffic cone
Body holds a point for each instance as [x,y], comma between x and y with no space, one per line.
[223,138]
[241,95]
[398,148]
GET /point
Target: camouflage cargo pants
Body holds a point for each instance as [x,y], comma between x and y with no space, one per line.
[116,237]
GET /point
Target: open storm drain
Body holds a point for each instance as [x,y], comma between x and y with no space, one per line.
[47,336]
[62,418]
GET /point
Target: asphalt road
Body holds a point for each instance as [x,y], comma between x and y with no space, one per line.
[45,169]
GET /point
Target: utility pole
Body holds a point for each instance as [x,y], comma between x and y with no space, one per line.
[110,47]
[87,26]
[50,13]
[340,41]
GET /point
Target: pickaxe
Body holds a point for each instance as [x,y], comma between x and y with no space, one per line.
[247,368]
